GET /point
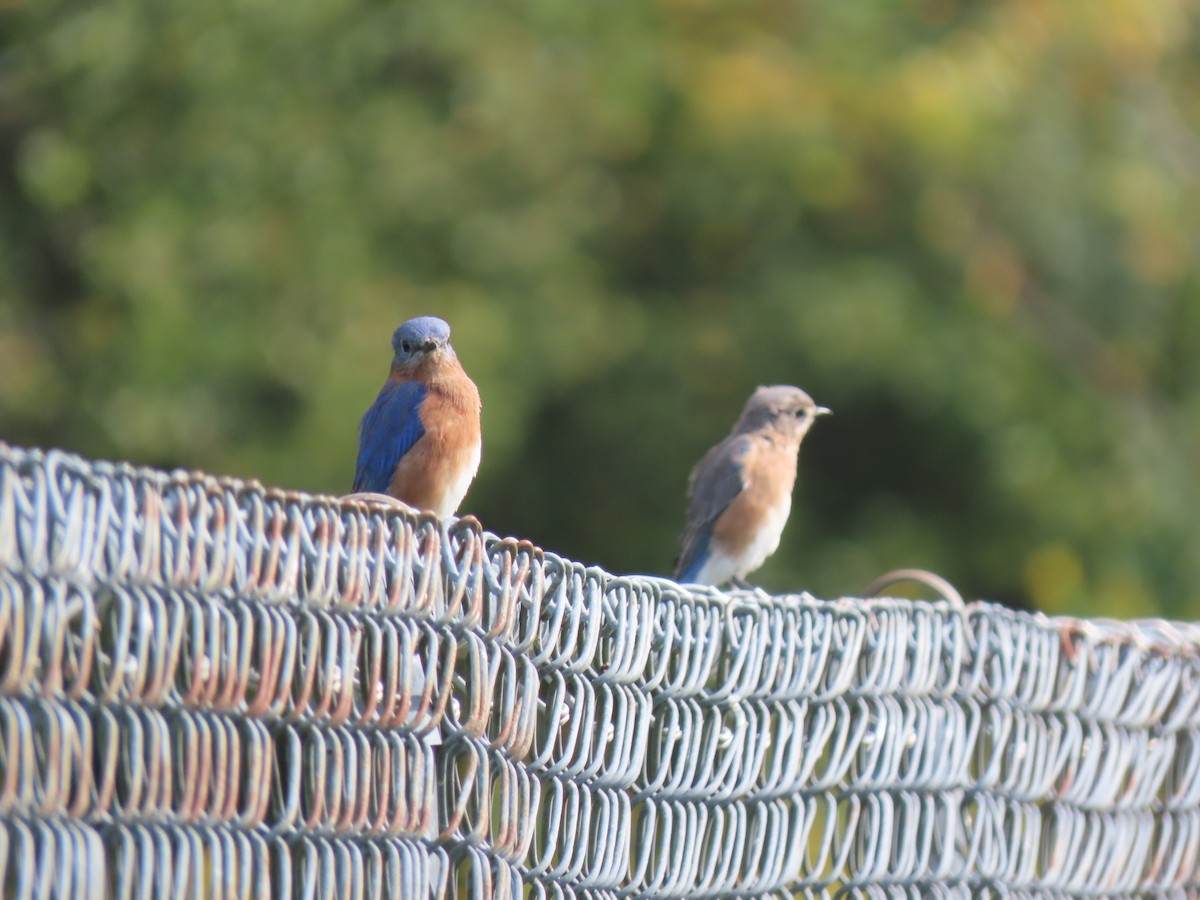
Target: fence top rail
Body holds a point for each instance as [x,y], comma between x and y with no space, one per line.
[369,690]
[41,487]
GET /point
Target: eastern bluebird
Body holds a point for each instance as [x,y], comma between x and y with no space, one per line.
[420,440]
[740,493]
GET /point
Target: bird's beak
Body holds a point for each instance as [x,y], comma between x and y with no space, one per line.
[429,346]
[822,411]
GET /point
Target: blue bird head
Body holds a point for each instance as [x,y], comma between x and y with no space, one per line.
[419,338]
[779,406]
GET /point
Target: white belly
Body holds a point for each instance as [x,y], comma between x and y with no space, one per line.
[459,482]
[717,569]
[765,541]
[722,566]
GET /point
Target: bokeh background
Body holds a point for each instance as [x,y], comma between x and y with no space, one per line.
[970,228]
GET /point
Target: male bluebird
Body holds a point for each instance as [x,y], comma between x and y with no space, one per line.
[420,440]
[740,493]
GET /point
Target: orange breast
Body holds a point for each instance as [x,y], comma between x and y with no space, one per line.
[435,474]
[770,474]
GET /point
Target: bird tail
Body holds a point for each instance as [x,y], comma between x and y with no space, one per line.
[691,561]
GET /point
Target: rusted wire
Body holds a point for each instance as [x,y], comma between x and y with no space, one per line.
[212,689]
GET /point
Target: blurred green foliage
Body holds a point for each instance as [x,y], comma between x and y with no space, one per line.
[970,228]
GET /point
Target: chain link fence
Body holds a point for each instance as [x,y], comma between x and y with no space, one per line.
[211,689]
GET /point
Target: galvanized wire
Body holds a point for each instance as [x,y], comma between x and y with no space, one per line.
[211,689]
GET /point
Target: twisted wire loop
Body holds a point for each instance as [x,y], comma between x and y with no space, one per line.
[213,689]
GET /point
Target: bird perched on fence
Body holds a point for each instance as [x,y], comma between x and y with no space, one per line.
[740,493]
[420,440]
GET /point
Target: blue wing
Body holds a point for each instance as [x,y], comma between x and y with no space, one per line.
[388,430]
[688,571]
[715,483]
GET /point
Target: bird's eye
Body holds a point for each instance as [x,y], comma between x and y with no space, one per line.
[405,346]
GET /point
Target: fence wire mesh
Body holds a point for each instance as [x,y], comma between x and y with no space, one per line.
[209,689]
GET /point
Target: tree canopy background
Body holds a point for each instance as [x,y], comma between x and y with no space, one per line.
[970,228]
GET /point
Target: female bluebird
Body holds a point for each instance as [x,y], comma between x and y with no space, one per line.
[740,493]
[420,440]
